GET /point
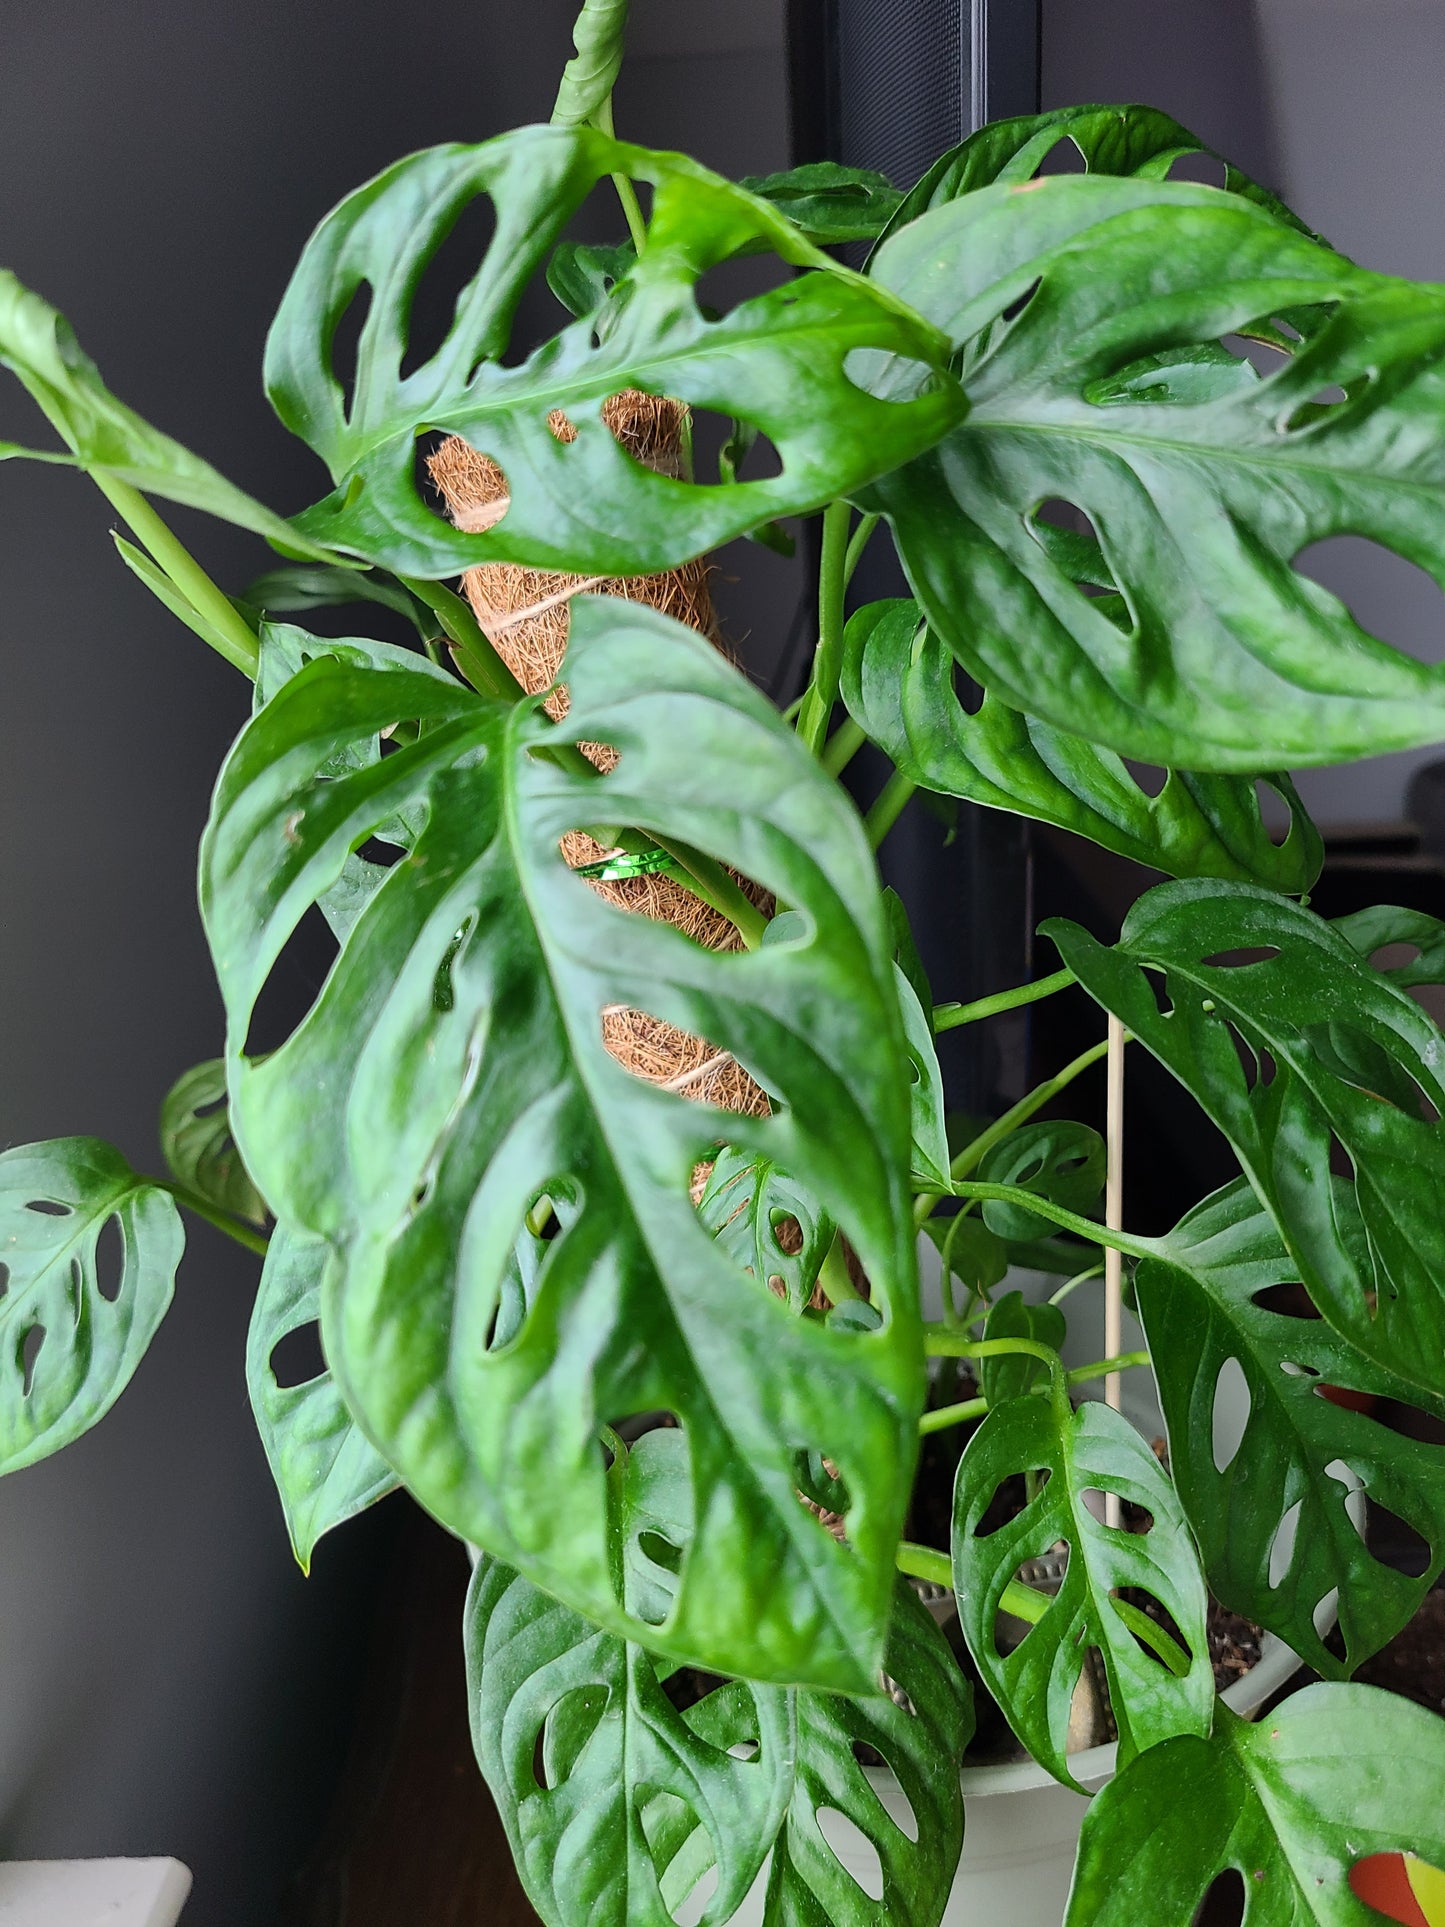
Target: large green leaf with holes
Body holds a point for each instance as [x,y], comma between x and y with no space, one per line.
[1336,1774]
[326,1469]
[898,683]
[39,347]
[1083,1456]
[72,1328]
[619,1797]
[1206,1300]
[1338,1055]
[452,1073]
[776,362]
[1217,653]
[1120,140]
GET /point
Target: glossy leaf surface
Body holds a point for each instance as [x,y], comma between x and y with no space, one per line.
[1126,140]
[898,683]
[1090,1452]
[776,361]
[1220,656]
[39,348]
[198,1147]
[1208,1300]
[1301,1050]
[325,1468]
[1335,1774]
[766,1223]
[75,1320]
[452,1073]
[830,203]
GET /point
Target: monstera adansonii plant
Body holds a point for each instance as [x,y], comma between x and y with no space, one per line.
[682,1433]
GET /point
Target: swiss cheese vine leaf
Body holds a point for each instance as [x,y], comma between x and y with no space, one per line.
[830,203]
[898,683]
[766,1223]
[600,37]
[1306,1058]
[777,362]
[1218,654]
[1209,1298]
[1336,1774]
[75,1321]
[1075,1459]
[1129,140]
[1014,1374]
[39,348]
[1056,1159]
[452,1074]
[196,1141]
[325,1468]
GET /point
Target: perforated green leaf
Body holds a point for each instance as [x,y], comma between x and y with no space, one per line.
[766,1223]
[1085,1454]
[452,1073]
[39,348]
[1055,1159]
[325,1469]
[73,1325]
[1207,1299]
[1122,140]
[1334,1775]
[1221,655]
[197,1144]
[898,683]
[1334,1054]
[830,203]
[1012,1375]
[777,361]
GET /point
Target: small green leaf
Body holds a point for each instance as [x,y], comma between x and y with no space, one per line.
[1085,1454]
[1244,1037]
[583,275]
[781,361]
[167,594]
[306,586]
[830,203]
[898,684]
[453,1073]
[929,1156]
[1204,1301]
[1217,654]
[325,1469]
[600,37]
[1014,1375]
[1334,1775]
[766,1223]
[969,1250]
[198,1147]
[1056,1159]
[72,1328]
[39,348]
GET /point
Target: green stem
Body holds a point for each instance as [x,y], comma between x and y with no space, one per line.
[940,1342]
[922,1562]
[889,807]
[857,544]
[946,1415]
[1072,1284]
[833,1275]
[1125,1362]
[1067,1220]
[842,746]
[244,1234]
[970,1157]
[710,881]
[234,637]
[817,710]
[626,192]
[950,1016]
[1143,1627]
[476,656]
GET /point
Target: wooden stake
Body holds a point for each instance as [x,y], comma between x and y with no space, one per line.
[1114,1221]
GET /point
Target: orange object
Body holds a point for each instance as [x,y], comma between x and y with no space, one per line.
[1383,1882]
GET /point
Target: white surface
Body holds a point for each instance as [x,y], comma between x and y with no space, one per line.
[92,1893]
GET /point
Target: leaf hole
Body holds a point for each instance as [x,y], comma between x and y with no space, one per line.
[1282,1546]
[109,1261]
[1203,169]
[1009,1499]
[28,1355]
[4,1278]
[1153,1609]
[343,347]
[1230,1414]
[690,1909]
[1291,1370]
[293,985]
[1149,776]
[1021,301]
[1064,157]
[570,1723]
[49,1208]
[1266,358]
[297,1358]
[1388,595]
[1243,958]
[1288,1299]
[1223,1903]
[853,1850]
[446,272]
[1326,1611]
[1386,1533]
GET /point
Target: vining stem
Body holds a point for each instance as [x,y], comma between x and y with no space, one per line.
[234,637]
[950,1016]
